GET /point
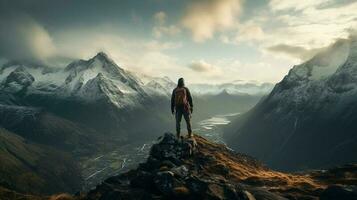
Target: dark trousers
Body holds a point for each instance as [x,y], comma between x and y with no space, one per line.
[187,116]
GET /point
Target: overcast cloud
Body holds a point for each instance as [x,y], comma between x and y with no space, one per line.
[201,40]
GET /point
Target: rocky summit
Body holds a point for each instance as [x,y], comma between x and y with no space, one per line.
[194,168]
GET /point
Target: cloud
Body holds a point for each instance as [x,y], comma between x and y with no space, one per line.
[284,5]
[160,17]
[22,37]
[161,29]
[202,66]
[205,17]
[155,45]
[171,30]
[295,51]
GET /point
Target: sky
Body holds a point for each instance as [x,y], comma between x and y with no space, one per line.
[205,41]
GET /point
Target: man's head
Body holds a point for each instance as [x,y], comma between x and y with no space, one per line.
[181,82]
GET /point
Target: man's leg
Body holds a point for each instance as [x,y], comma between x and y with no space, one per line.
[178,122]
[187,117]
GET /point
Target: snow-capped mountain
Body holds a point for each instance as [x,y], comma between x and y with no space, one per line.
[310,118]
[18,80]
[232,88]
[98,78]
[163,86]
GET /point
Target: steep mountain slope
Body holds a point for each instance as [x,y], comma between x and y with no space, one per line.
[96,93]
[309,119]
[199,169]
[30,167]
[163,86]
[45,128]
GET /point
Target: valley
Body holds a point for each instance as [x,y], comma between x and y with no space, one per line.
[104,117]
[126,157]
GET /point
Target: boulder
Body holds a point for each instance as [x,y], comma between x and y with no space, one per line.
[172,149]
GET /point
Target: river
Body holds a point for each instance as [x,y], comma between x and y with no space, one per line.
[100,167]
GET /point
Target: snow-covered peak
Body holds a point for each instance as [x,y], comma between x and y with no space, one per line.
[324,64]
[321,79]
[232,88]
[18,79]
[163,86]
[84,70]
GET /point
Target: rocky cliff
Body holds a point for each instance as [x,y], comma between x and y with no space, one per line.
[199,169]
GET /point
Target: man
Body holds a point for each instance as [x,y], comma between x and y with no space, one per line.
[181,102]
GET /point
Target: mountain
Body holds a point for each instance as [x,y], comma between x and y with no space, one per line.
[224,102]
[30,167]
[95,92]
[163,86]
[99,77]
[309,119]
[195,168]
[199,169]
[87,108]
[239,88]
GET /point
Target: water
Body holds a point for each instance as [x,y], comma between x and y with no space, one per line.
[100,167]
[212,128]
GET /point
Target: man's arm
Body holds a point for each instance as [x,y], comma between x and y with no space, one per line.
[189,98]
[173,101]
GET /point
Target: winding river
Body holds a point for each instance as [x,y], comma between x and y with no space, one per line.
[100,167]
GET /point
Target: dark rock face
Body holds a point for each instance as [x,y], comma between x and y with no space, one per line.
[167,175]
[194,168]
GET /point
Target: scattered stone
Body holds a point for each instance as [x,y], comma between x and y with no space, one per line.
[172,149]
[164,182]
[221,169]
[177,169]
[180,171]
[168,164]
[142,180]
[181,191]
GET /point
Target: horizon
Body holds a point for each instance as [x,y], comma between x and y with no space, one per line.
[251,41]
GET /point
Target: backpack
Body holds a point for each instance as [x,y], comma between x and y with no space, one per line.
[180,96]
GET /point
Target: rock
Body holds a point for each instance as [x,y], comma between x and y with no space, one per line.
[167,163]
[215,191]
[164,168]
[150,164]
[172,149]
[221,169]
[142,180]
[180,171]
[164,182]
[339,192]
[181,191]
[196,185]
[168,138]
[260,193]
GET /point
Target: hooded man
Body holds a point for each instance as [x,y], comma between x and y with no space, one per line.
[181,105]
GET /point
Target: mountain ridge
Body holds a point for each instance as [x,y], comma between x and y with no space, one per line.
[195,168]
[307,121]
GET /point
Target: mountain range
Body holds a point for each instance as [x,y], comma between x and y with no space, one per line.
[88,108]
[309,119]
